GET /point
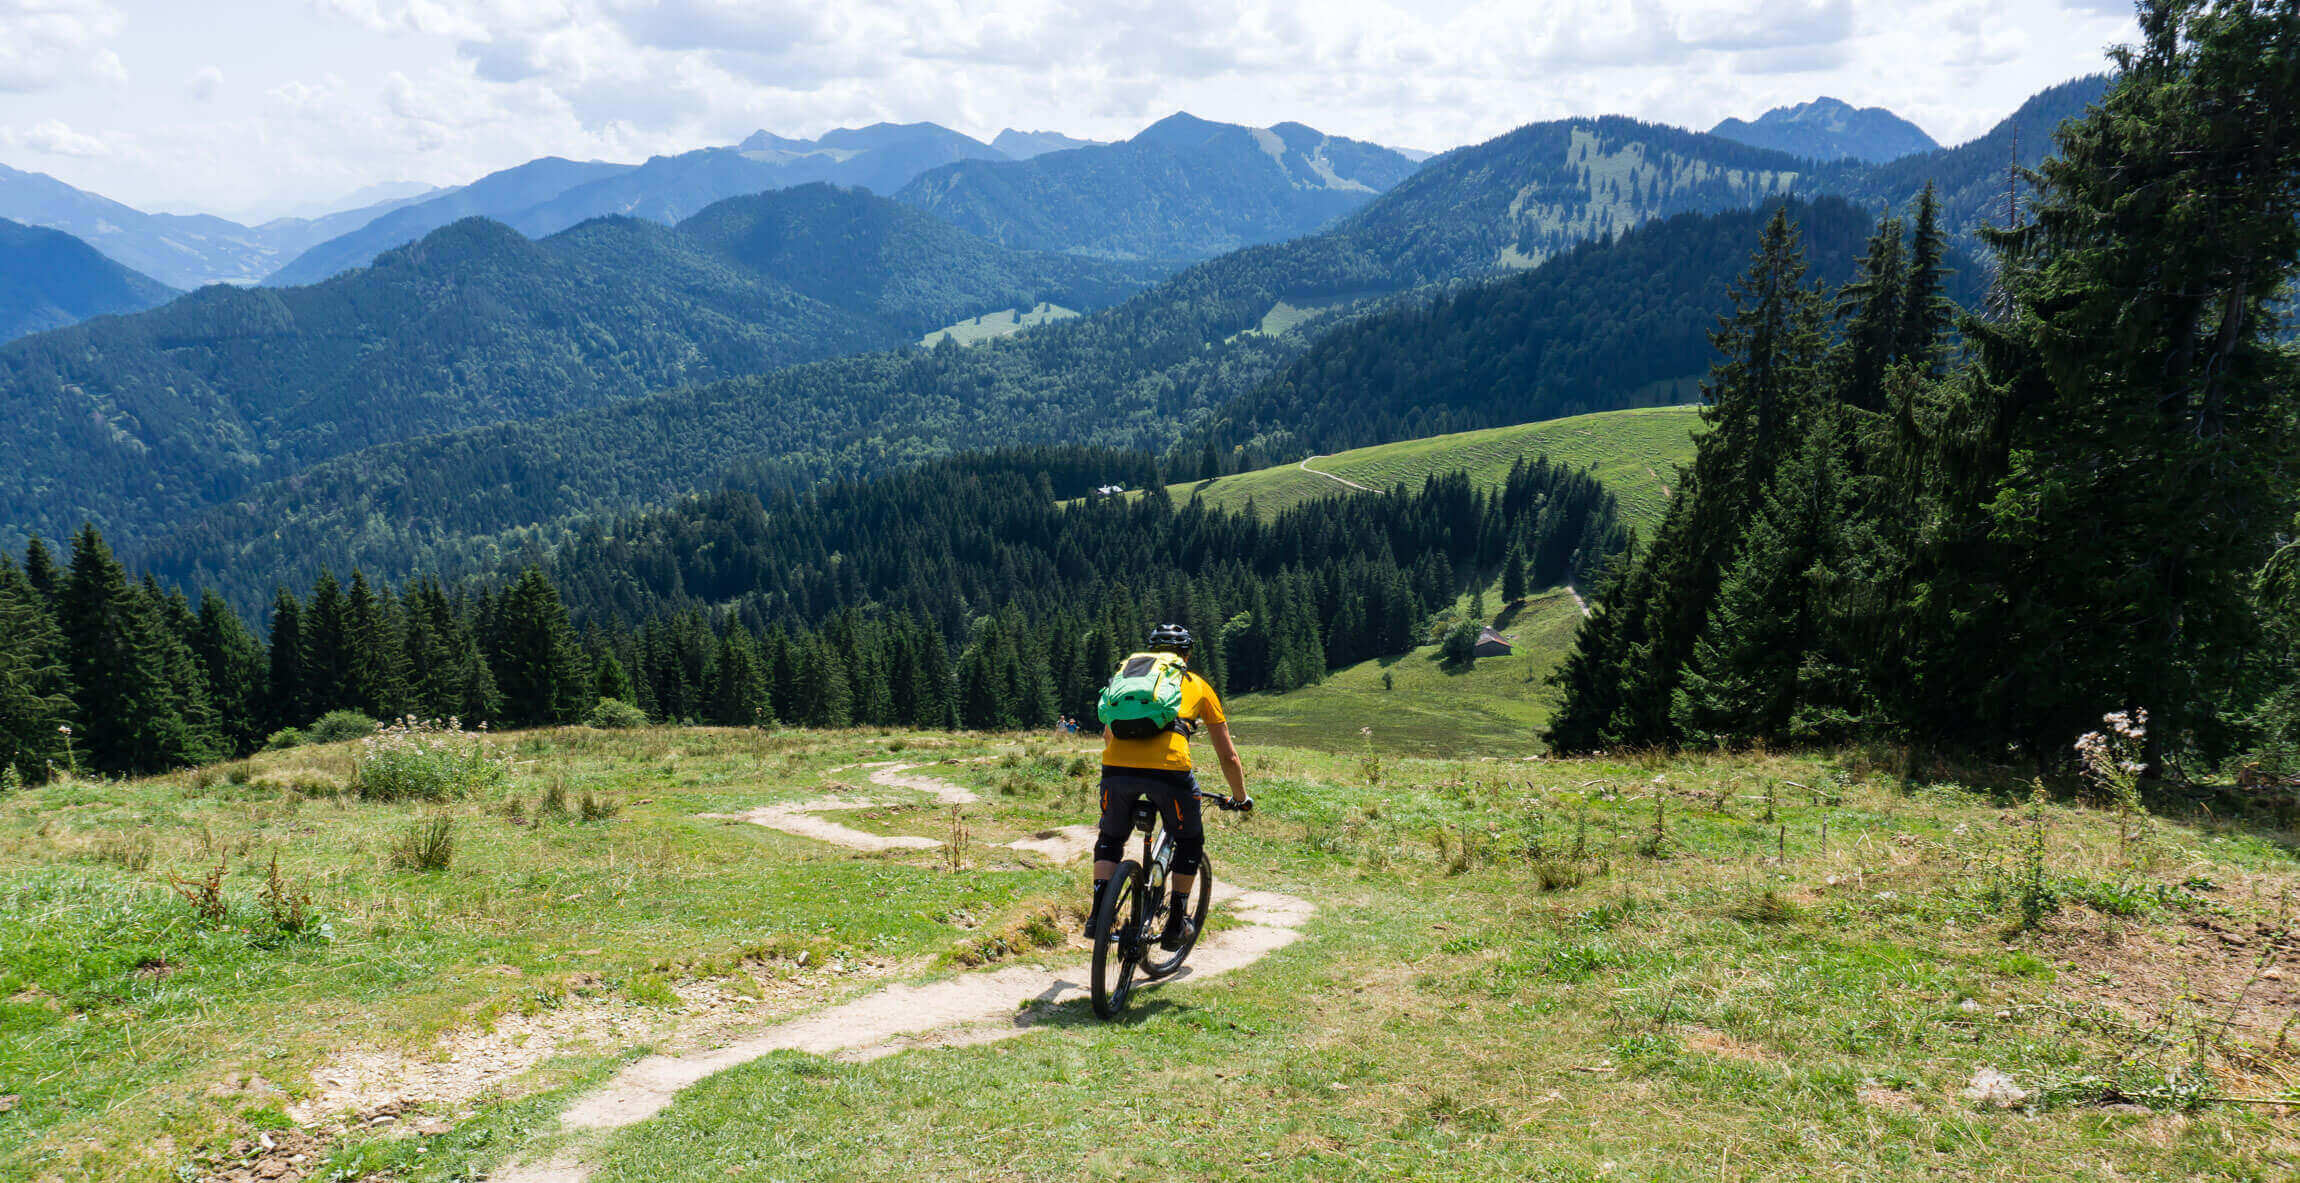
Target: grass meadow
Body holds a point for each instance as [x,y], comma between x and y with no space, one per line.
[1630,967]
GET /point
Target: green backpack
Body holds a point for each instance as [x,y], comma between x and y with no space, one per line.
[1144,697]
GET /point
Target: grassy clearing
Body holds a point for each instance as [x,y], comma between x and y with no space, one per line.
[1416,705]
[1634,452]
[991,325]
[1745,967]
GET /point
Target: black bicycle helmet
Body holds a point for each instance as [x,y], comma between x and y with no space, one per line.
[1171,637]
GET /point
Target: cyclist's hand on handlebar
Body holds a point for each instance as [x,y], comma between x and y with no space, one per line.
[1241,804]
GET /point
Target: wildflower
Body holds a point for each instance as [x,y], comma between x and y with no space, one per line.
[64,729]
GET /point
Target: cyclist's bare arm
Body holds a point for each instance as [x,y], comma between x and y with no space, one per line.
[1233,769]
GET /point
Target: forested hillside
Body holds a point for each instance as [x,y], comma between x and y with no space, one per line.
[1590,330]
[1974,178]
[49,279]
[1185,188]
[2085,513]
[475,324]
[1137,375]
[958,593]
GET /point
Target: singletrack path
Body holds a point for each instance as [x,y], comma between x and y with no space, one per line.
[803,818]
[1305,467]
[966,1009]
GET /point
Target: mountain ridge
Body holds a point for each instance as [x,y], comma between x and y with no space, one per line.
[50,279]
[1183,188]
[1827,129]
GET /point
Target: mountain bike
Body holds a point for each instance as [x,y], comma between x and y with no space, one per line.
[1133,911]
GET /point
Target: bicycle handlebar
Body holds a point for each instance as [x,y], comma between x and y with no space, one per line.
[1225,803]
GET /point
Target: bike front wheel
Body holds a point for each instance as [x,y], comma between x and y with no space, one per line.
[1157,963]
[1118,939]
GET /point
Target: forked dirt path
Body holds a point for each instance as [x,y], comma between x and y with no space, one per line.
[964,1010]
[804,819]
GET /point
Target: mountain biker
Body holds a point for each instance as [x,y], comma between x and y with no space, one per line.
[1159,768]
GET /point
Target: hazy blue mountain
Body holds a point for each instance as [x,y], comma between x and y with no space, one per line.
[288,237]
[132,421]
[879,158]
[49,279]
[180,250]
[1022,145]
[500,195]
[546,196]
[1829,129]
[1185,188]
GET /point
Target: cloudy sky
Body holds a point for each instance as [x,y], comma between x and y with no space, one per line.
[249,107]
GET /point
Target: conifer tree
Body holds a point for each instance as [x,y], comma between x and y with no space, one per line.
[286,699]
[612,680]
[1762,394]
[41,572]
[738,689]
[327,659]
[141,704]
[35,688]
[539,670]
[237,671]
[1769,619]
[1513,574]
[2111,472]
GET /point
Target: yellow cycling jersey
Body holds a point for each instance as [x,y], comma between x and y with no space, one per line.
[1167,750]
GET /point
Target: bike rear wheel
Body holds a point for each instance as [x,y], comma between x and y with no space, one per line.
[1157,963]
[1118,939]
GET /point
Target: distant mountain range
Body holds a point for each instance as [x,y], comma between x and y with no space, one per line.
[1183,189]
[49,279]
[165,411]
[1022,145]
[477,393]
[1829,129]
[180,250]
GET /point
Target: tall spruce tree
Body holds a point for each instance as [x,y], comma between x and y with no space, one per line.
[539,669]
[141,704]
[287,698]
[1622,679]
[2117,464]
[35,686]
[237,671]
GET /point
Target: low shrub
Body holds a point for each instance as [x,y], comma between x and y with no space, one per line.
[338,726]
[419,760]
[285,738]
[428,845]
[613,714]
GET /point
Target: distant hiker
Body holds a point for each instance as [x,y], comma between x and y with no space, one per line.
[1148,711]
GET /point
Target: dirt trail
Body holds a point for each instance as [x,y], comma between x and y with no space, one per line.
[1305,467]
[1578,602]
[800,818]
[958,1011]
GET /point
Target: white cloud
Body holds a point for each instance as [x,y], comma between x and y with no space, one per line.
[204,83]
[46,43]
[55,138]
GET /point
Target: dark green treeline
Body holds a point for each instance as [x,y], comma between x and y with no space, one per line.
[967,592]
[1989,550]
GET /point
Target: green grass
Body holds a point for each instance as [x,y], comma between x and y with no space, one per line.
[991,325]
[1497,707]
[1508,975]
[1635,452]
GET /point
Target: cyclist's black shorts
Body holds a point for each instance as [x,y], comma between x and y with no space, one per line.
[1175,794]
